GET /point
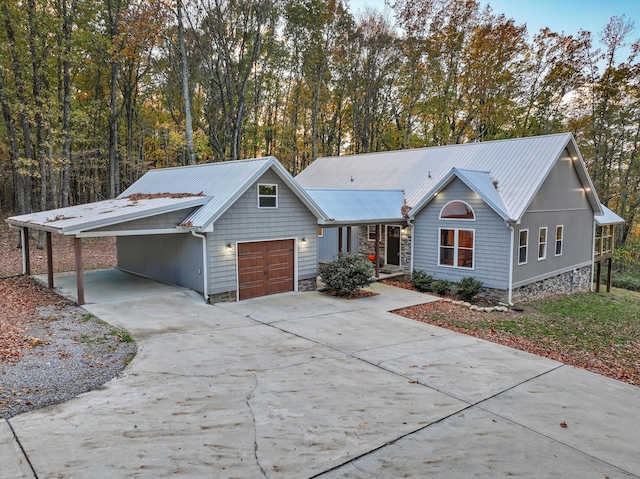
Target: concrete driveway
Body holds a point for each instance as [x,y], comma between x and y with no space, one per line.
[305,385]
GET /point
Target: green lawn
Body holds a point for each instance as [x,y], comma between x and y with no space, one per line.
[596,331]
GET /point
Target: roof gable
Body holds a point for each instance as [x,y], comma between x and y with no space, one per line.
[480,182]
[222,182]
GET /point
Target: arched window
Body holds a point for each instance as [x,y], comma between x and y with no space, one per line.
[457,210]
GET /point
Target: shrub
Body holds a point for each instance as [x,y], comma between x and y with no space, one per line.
[421,281]
[632,283]
[468,287]
[441,286]
[347,274]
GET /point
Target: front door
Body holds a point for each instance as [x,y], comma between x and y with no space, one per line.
[393,245]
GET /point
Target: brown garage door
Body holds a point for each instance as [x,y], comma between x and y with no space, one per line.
[265,268]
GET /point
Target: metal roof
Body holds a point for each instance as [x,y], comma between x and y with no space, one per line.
[607,217]
[520,167]
[76,219]
[214,186]
[359,206]
[222,182]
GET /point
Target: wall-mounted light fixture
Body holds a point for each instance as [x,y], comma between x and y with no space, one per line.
[228,245]
[303,239]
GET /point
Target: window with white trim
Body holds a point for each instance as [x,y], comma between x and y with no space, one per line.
[523,246]
[457,210]
[542,243]
[371,232]
[267,196]
[456,247]
[559,239]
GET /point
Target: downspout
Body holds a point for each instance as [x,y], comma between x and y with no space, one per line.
[413,242]
[593,255]
[510,286]
[205,265]
[23,243]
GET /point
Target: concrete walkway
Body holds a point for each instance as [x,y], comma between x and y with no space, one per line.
[304,385]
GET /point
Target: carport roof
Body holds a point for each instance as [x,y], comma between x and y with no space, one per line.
[74,220]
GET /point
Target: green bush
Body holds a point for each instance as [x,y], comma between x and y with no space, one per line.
[467,288]
[632,283]
[348,273]
[421,281]
[441,286]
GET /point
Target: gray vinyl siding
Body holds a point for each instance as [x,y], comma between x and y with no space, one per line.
[166,220]
[492,239]
[244,221]
[328,243]
[561,200]
[170,258]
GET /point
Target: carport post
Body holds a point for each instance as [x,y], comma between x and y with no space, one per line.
[25,251]
[49,260]
[348,239]
[77,246]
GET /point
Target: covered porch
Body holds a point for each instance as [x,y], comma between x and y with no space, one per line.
[373,223]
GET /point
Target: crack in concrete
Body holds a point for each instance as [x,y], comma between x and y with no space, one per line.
[255,429]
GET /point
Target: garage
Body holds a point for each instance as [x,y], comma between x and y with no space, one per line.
[265,267]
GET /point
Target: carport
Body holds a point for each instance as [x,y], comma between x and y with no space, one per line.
[129,216]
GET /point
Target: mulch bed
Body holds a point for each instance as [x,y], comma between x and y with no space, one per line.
[363,293]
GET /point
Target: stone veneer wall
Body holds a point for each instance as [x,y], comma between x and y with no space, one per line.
[367,247]
[309,284]
[560,284]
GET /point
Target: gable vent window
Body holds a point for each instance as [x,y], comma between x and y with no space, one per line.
[457,210]
[267,196]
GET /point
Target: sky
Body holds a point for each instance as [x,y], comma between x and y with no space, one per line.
[567,16]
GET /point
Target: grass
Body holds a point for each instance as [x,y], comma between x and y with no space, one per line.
[597,331]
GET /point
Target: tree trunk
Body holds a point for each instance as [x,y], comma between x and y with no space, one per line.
[24,172]
[185,87]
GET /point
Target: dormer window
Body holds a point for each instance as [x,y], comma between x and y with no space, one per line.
[267,196]
[457,210]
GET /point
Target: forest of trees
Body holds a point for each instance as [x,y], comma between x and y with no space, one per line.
[96,92]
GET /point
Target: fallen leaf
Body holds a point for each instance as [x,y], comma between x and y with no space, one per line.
[563,424]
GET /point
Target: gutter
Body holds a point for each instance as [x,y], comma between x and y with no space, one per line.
[23,244]
[205,265]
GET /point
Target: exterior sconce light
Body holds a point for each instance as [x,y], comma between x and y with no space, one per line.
[303,240]
[228,245]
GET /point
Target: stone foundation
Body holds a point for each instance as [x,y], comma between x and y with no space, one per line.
[565,283]
[222,297]
[310,284]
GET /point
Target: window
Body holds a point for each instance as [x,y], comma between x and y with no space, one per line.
[523,246]
[320,232]
[559,233]
[371,231]
[456,248]
[457,210]
[267,196]
[542,243]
